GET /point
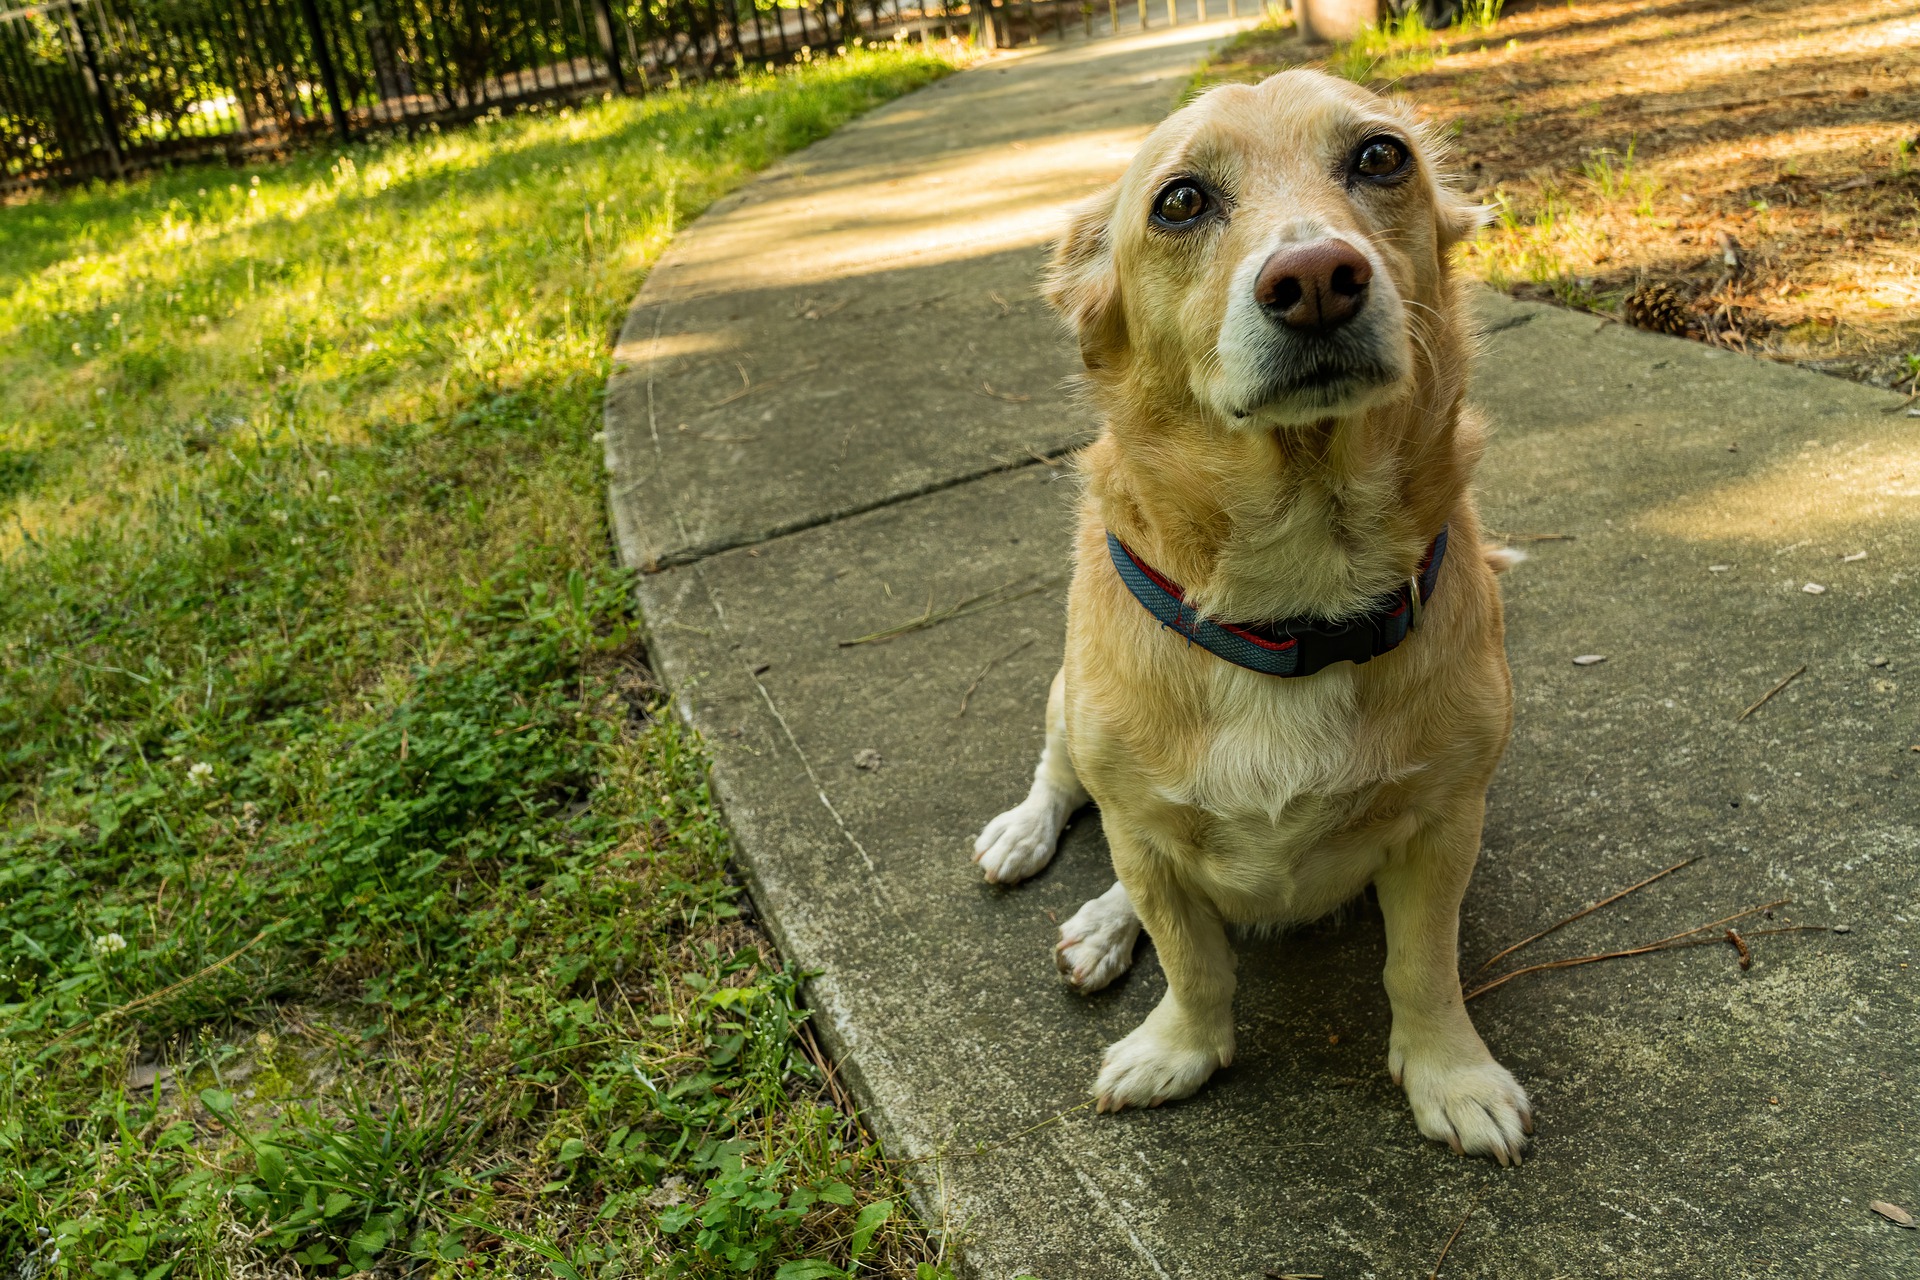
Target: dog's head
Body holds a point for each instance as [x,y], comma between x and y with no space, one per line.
[1268,255]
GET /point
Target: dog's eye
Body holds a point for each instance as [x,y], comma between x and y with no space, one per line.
[1380,159]
[1180,205]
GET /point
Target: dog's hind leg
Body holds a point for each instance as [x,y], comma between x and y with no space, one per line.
[1021,841]
[1096,945]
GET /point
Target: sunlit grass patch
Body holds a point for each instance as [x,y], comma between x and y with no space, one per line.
[1396,47]
[361,903]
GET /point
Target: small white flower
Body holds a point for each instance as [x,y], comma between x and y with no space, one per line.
[333,499]
[281,516]
[200,774]
[108,944]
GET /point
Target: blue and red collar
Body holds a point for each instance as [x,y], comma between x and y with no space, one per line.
[1290,646]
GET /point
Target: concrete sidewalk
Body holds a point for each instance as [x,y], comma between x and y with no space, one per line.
[839,400]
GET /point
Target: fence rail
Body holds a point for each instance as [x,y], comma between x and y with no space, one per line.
[105,88]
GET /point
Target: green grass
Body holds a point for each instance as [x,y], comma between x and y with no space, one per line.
[1396,47]
[362,905]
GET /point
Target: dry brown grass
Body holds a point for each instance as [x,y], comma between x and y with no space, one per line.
[1627,142]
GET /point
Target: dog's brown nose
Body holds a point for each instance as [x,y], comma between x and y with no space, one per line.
[1314,287]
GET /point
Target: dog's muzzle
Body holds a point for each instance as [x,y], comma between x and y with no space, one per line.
[1312,335]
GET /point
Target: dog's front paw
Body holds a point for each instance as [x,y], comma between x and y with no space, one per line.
[1477,1108]
[1019,842]
[1096,945]
[1152,1066]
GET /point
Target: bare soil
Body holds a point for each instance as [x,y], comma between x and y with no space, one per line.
[1762,160]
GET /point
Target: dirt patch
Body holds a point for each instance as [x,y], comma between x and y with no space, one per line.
[1747,173]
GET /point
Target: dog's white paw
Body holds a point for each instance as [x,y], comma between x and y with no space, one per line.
[1096,945]
[1152,1066]
[1020,841]
[1477,1108]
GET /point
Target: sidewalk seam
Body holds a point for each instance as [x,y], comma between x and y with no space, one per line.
[693,555]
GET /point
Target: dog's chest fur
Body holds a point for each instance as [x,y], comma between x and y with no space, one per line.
[1260,788]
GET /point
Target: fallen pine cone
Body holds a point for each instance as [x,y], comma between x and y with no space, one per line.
[1656,307]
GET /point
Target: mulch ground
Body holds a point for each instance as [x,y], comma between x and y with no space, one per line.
[1748,173]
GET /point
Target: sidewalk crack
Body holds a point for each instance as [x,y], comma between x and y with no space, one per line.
[706,550]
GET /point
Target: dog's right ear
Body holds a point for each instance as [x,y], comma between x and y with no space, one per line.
[1082,285]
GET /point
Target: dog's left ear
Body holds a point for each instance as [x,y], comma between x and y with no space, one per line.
[1082,286]
[1460,218]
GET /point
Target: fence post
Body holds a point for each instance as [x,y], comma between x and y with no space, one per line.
[324,57]
[102,96]
[610,40]
[982,14]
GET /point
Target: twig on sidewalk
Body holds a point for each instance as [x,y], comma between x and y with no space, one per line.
[991,664]
[749,386]
[1788,679]
[1584,911]
[1687,938]
[1448,1246]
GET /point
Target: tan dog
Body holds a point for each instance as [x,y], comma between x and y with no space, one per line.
[1272,333]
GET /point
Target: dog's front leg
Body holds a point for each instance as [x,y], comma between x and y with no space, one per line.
[1189,1034]
[1460,1095]
[1020,841]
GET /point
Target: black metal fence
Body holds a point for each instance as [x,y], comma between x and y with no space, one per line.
[104,88]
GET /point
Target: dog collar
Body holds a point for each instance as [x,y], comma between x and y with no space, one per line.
[1288,646]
